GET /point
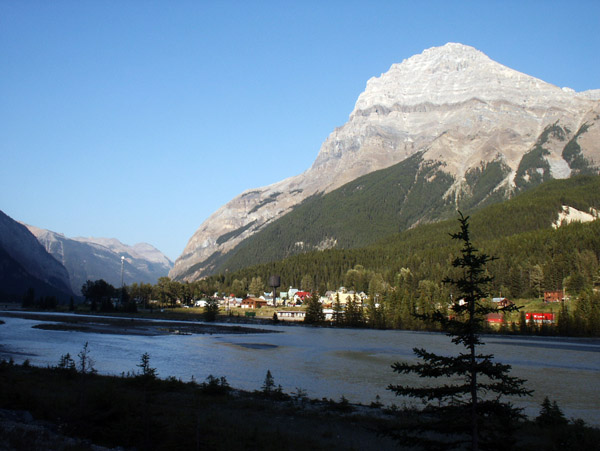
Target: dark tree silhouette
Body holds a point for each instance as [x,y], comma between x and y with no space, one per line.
[314,310]
[456,412]
[211,309]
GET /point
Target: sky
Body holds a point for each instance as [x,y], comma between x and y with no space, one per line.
[137,120]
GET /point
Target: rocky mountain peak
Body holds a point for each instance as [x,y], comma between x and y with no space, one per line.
[454,105]
[452,74]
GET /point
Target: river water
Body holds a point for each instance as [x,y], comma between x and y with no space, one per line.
[354,363]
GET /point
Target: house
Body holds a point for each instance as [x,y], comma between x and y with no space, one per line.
[301,296]
[554,296]
[200,303]
[502,302]
[345,297]
[230,302]
[540,318]
[495,319]
[291,315]
[253,303]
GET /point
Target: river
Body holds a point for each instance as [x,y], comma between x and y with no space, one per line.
[323,362]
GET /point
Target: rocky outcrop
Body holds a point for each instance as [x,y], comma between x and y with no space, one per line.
[453,104]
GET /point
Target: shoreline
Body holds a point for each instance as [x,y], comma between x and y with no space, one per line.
[127,325]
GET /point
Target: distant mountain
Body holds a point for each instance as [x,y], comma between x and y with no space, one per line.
[100,258]
[25,264]
[468,131]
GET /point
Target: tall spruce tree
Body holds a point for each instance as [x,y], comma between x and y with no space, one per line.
[467,409]
[314,310]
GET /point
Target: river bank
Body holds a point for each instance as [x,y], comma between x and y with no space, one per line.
[322,361]
[126,325]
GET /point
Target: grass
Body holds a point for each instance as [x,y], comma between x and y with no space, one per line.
[57,408]
[149,413]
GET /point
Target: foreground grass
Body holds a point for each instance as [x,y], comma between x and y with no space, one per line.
[144,412]
[148,413]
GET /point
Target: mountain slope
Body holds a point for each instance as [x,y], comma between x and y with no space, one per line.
[459,110]
[100,258]
[25,264]
[522,232]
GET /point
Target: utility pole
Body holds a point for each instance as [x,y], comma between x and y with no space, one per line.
[122,261]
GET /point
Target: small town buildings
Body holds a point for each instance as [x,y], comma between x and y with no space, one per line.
[345,297]
[502,302]
[200,303]
[291,315]
[328,314]
[554,296]
[301,296]
[253,303]
[540,318]
[230,302]
[495,319]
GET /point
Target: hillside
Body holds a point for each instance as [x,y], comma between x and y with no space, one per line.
[364,211]
[519,232]
[25,264]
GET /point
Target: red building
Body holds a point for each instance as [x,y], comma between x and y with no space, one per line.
[301,296]
[540,318]
[494,318]
[554,296]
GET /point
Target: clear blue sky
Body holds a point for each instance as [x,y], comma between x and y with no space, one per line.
[138,119]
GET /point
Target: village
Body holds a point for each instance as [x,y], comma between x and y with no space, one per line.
[290,305]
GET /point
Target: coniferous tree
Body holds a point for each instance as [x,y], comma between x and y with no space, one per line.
[456,411]
[211,309]
[269,384]
[354,314]
[314,310]
[338,313]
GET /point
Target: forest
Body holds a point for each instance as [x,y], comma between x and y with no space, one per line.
[403,274]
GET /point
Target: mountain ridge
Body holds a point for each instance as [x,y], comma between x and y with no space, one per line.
[25,264]
[100,258]
[451,103]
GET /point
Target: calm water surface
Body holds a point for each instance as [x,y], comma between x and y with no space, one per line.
[323,362]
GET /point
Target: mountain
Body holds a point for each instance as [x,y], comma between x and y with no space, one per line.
[469,130]
[548,233]
[100,258]
[24,264]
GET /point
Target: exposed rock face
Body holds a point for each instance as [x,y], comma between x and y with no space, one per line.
[27,263]
[100,258]
[454,104]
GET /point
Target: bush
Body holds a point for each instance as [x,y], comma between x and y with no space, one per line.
[215,385]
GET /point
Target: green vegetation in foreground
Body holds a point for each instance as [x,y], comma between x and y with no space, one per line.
[140,411]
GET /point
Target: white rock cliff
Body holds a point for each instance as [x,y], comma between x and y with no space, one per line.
[452,102]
